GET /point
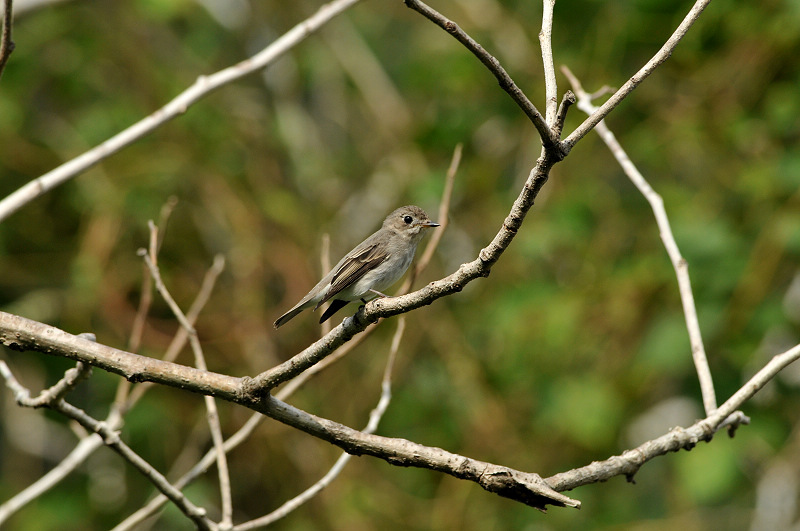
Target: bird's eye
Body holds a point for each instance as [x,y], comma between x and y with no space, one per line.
[408,219]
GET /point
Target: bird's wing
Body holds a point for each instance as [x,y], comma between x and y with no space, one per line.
[356,265]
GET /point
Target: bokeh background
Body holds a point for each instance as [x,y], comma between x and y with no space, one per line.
[574,349]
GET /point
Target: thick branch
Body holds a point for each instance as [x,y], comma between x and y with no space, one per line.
[18,333]
[521,486]
[23,334]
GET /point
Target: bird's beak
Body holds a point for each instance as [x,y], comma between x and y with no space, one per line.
[430,224]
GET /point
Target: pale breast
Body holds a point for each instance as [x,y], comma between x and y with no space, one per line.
[380,278]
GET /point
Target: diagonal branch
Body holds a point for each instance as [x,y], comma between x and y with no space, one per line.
[112,439]
[629,462]
[372,425]
[386,307]
[212,412]
[6,44]
[123,402]
[549,139]
[643,73]
[201,88]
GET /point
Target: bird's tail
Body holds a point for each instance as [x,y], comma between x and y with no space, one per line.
[283,319]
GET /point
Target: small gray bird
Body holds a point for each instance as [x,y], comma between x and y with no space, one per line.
[374,265]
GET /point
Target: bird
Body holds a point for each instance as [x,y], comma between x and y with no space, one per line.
[372,266]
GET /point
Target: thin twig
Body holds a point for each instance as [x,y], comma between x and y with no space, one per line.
[202,466]
[679,264]
[87,445]
[567,101]
[137,329]
[71,379]
[6,44]
[546,43]
[549,140]
[181,335]
[630,461]
[111,439]
[662,55]
[201,88]
[121,399]
[443,220]
[211,406]
[372,425]
[164,216]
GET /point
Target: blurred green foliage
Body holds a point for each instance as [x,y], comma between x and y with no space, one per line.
[576,336]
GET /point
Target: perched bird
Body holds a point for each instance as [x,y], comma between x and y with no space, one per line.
[374,265]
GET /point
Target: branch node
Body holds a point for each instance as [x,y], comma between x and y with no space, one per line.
[110,436]
[567,101]
[250,391]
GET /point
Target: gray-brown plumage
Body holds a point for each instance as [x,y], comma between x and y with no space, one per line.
[374,265]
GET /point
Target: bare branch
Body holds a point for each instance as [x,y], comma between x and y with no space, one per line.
[19,333]
[643,73]
[23,334]
[549,140]
[181,336]
[680,264]
[121,400]
[546,43]
[679,438]
[201,88]
[443,219]
[111,439]
[386,307]
[88,445]
[372,425]
[525,487]
[567,101]
[6,44]
[70,380]
[211,406]
[199,469]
